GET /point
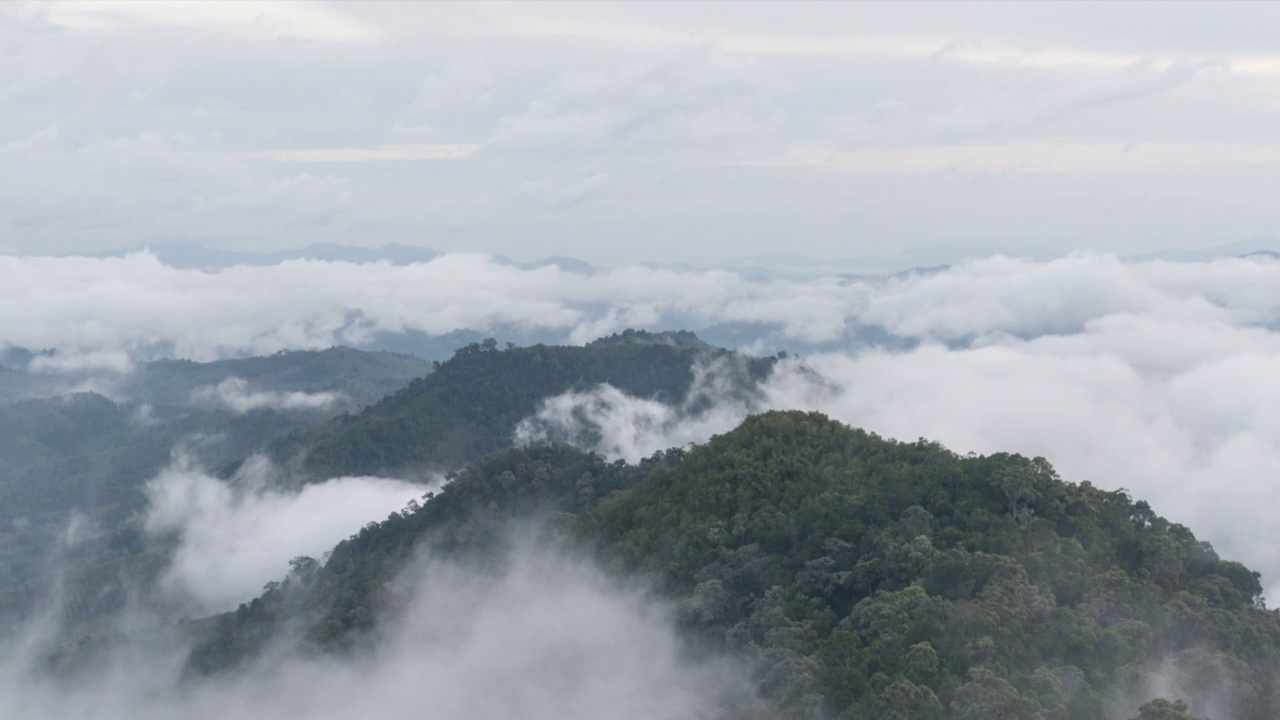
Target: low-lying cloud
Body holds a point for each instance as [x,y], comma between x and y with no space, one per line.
[548,638]
[103,311]
[235,395]
[236,536]
[1154,376]
[1194,430]
[613,423]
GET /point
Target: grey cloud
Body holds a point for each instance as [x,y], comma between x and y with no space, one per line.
[182,135]
[699,95]
[457,87]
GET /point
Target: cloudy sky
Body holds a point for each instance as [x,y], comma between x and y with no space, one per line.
[619,133]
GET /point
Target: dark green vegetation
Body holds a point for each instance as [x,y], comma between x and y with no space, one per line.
[857,577]
[86,456]
[470,405]
[89,455]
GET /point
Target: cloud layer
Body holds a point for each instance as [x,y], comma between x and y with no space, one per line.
[1153,376]
[99,312]
[621,133]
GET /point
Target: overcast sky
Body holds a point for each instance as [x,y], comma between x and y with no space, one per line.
[619,133]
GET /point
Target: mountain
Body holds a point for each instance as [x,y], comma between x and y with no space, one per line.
[193,256]
[91,455]
[470,405]
[185,255]
[1238,248]
[854,576]
[87,457]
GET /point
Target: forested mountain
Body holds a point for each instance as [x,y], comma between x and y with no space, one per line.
[87,456]
[470,405]
[91,455]
[857,577]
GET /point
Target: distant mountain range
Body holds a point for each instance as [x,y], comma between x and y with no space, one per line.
[193,256]
[763,268]
[1255,247]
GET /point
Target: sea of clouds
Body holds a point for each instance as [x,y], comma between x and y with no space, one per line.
[1156,377]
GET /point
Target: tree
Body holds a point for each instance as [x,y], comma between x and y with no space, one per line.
[904,700]
[1161,709]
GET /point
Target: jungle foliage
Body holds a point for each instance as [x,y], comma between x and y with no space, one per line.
[857,577]
[470,405]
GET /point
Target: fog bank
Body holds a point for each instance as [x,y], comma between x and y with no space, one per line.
[546,639]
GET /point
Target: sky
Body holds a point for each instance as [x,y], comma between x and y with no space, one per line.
[887,134]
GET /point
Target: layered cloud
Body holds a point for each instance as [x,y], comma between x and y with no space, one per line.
[620,133]
[99,311]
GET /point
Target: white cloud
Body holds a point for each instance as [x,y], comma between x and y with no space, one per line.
[234,394]
[1150,376]
[135,304]
[1183,416]
[235,536]
[547,638]
[612,423]
[112,361]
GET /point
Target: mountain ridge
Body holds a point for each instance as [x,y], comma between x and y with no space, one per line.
[858,577]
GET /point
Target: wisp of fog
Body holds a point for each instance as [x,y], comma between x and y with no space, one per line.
[233,537]
[548,637]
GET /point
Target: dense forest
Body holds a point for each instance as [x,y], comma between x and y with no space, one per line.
[81,461]
[89,456]
[856,577]
[470,405]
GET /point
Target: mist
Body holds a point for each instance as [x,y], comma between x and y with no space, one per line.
[546,637]
[608,421]
[235,395]
[1152,376]
[143,309]
[234,537]
[1194,431]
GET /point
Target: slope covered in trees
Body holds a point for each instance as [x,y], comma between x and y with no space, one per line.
[88,457]
[857,577]
[470,405]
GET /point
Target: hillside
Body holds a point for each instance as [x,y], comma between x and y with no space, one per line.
[470,405]
[858,577]
[87,456]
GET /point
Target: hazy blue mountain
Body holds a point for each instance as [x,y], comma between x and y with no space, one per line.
[190,255]
[1239,248]
[90,455]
